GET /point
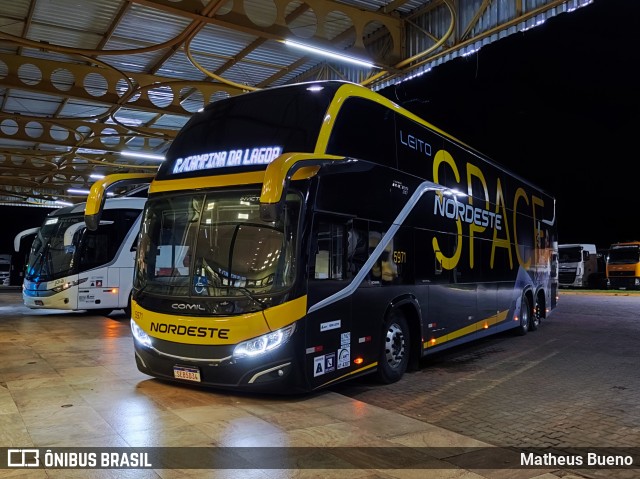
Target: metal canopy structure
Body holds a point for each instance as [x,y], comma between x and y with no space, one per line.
[94,86]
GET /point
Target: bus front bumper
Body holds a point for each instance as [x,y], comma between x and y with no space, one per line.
[47,301]
[216,365]
[267,374]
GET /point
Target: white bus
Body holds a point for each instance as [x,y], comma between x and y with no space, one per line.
[73,268]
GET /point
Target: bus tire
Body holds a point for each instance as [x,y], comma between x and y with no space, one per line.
[536,316]
[525,316]
[394,348]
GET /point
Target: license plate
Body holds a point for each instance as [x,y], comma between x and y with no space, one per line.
[185,372]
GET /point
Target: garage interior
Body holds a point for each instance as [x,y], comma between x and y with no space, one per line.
[96,88]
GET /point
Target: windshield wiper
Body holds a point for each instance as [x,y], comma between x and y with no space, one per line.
[39,268]
[249,295]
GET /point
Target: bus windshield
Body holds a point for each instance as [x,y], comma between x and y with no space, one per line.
[215,245]
[52,256]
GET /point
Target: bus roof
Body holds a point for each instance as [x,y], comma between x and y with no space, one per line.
[286,119]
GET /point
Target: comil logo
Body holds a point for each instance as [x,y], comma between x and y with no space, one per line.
[23,458]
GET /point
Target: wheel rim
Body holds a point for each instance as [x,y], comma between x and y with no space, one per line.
[394,346]
[536,315]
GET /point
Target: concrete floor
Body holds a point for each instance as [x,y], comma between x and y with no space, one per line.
[69,380]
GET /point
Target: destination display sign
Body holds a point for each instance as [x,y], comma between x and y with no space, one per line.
[261,155]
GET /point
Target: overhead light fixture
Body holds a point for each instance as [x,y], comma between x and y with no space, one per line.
[77,191]
[92,151]
[144,156]
[327,53]
[96,176]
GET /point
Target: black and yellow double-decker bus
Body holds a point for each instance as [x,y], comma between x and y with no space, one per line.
[306,234]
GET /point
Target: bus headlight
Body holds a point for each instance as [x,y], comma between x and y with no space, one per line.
[62,287]
[263,344]
[139,335]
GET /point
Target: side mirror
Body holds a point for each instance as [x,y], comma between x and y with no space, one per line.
[71,231]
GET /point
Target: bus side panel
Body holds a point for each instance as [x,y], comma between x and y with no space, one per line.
[96,291]
[330,344]
[451,313]
[126,283]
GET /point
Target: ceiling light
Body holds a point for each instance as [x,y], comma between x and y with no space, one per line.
[92,151]
[144,156]
[96,176]
[327,53]
[77,191]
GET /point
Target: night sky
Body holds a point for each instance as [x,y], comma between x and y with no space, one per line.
[559,105]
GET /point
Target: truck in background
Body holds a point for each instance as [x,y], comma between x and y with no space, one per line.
[581,266]
[5,269]
[623,265]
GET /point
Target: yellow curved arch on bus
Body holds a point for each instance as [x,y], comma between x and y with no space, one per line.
[276,173]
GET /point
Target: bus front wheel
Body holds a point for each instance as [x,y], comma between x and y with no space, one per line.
[394,350]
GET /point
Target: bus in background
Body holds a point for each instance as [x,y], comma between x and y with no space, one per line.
[21,248]
[623,265]
[581,266]
[73,268]
[329,233]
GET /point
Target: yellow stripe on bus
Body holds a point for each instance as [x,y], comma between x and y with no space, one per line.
[284,314]
[359,370]
[472,328]
[233,179]
[190,184]
[213,330]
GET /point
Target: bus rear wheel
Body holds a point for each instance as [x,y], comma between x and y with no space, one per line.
[394,349]
[536,317]
[525,316]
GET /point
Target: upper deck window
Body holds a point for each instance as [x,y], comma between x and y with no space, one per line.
[364,130]
[246,132]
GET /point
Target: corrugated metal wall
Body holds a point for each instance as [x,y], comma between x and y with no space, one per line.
[438,20]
